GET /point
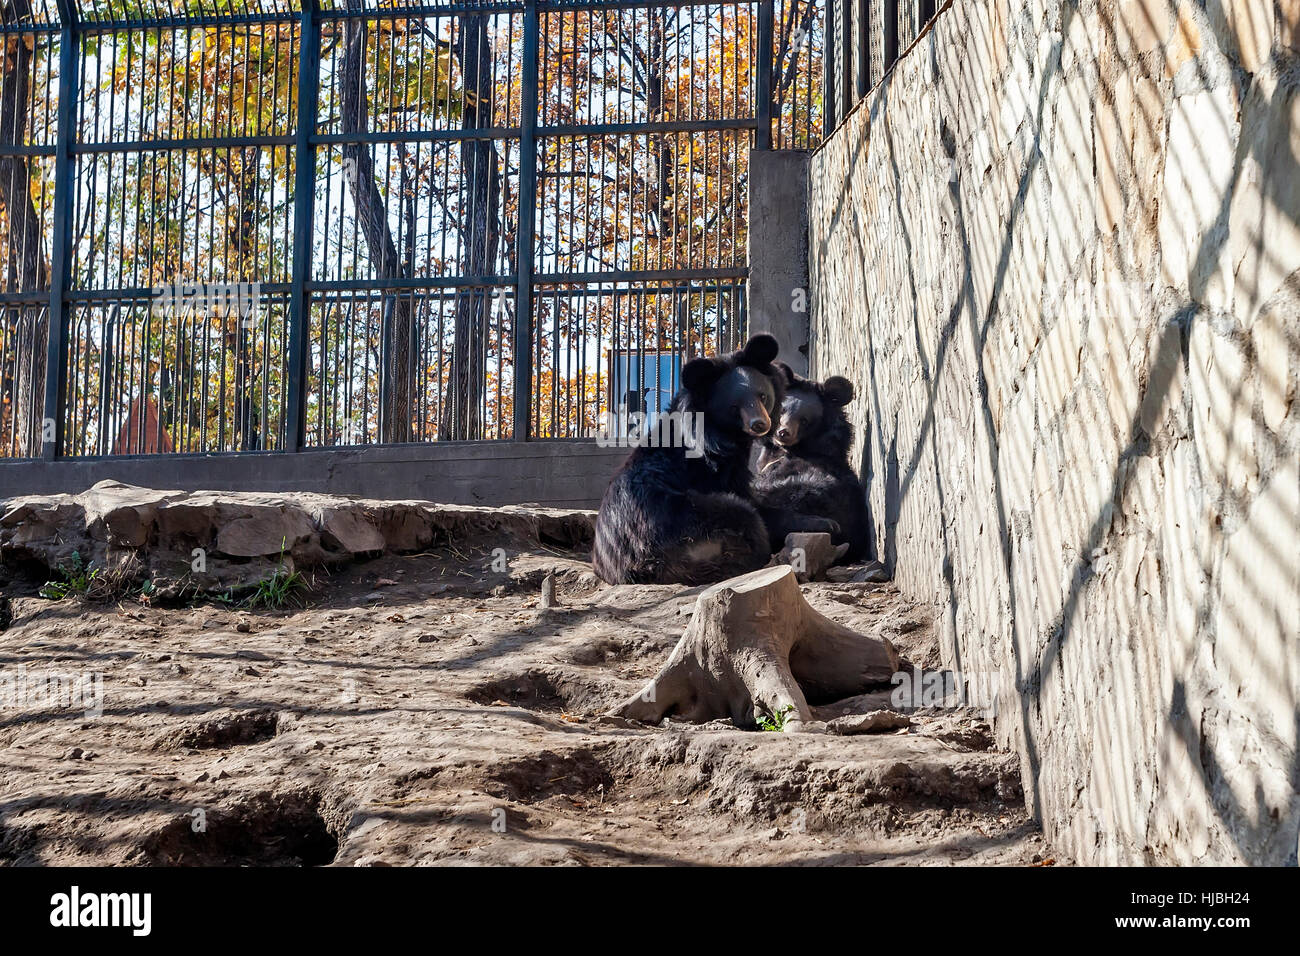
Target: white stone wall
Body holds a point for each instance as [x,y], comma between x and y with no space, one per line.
[1058,251]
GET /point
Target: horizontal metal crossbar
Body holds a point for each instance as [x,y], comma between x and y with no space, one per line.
[290,226]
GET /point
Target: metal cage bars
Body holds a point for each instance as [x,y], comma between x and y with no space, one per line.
[864,38]
[307,140]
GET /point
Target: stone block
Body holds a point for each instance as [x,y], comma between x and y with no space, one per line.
[1197,181]
[1224,431]
[1263,243]
[1287,24]
[1250,24]
[1058,364]
[1185,43]
[1141,26]
[1274,353]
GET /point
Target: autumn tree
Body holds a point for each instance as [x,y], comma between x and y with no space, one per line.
[22,239]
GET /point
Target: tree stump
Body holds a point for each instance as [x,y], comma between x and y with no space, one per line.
[755,647]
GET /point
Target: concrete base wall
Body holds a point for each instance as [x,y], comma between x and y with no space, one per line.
[1058,252]
[562,474]
[778,250]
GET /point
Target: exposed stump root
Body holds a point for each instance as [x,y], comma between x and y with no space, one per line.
[755,647]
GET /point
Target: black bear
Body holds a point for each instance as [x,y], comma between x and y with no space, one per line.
[803,480]
[677,512]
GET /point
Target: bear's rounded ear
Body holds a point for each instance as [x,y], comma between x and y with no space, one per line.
[700,373]
[837,390]
[759,350]
[784,374]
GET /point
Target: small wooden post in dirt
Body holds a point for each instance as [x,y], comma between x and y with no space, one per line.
[755,647]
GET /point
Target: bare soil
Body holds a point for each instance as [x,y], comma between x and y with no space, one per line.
[424,709]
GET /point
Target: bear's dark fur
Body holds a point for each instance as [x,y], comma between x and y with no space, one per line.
[803,480]
[668,517]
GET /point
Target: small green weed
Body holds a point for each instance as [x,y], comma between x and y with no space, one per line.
[282,587]
[76,579]
[776,722]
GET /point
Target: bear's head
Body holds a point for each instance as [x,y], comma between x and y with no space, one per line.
[812,417]
[738,394]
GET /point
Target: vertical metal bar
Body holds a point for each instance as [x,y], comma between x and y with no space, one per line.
[56,356]
[891,35]
[763,138]
[524,234]
[303,198]
[845,54]
[829,117]
[864,47]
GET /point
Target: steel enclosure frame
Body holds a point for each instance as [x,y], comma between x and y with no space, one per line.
[306,141]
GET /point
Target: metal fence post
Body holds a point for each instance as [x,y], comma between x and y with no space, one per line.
[304,195]
[845,54]
[891,35]
[56,357]
[766,27]
[829,107]
[864,48]
[526,232]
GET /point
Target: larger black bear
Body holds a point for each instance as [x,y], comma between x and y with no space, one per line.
[804,482]
[678,515]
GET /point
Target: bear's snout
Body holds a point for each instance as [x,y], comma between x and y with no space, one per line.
[757,422]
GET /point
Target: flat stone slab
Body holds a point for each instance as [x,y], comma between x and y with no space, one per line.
[208,540]
[872,722]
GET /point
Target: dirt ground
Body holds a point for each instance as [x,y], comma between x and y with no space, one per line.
[423,709]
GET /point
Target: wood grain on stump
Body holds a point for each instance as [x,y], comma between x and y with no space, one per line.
[755,647]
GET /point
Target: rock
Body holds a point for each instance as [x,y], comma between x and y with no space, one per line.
[547,600]
[217,541]
[346,528]
[871,573]
[624,723]
[858,704]
[971,733]
[1205,125]
[264,531]
[1251,23]
[810,554]
[873,722]
[243,627]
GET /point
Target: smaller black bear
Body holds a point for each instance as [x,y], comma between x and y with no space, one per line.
[803,480]
[675,514]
